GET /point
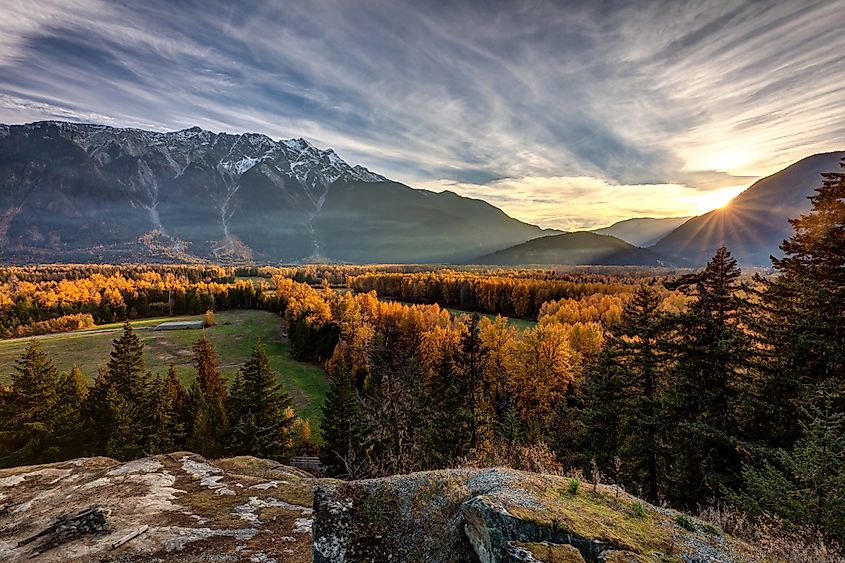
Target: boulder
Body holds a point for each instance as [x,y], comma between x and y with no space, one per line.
[176,507]
[503,515]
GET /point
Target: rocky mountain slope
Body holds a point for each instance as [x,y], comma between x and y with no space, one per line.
[77,192]
[181,507]
[642,231]
[580,247]
[753,224]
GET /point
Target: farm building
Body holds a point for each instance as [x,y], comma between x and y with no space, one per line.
[178,325]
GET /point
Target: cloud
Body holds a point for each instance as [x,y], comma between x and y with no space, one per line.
[659,98]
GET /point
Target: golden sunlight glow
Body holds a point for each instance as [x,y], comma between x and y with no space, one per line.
[574,203]
[715,199]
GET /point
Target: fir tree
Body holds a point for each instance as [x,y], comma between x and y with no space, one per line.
[98,415]
[804,487]
[625,414]
[125,440]
[28,422]
[126,366]
[179,399]
[447,417]
[342,426]
[802,331]
[207,399]
[711,356]
[167,429]
[469,361]
[262,410]
[70,413]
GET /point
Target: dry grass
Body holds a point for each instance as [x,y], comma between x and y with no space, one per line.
[772,539]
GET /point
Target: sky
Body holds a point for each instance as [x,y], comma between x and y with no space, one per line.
[565,114]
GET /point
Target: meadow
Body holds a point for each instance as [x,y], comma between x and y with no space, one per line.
[233,336]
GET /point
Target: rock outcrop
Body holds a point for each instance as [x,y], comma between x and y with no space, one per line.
[177,507]
[499,515]
[181,507]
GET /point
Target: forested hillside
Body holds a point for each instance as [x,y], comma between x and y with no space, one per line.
[706,390]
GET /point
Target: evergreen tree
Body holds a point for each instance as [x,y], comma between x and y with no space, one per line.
[28,424]
[711,356]
[70,413]
[447,416]
[625,415]
[802,331]
[125,440]
[179,400]
[167,429]
[207,399]
[262,414]
[342,426]
[470,361]
[126,366]
[97,415]
[128,397]
[804,487]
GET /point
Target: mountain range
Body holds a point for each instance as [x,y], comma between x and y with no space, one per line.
[78,192]
[73,192]
[581,247]
[643,231]
[753,224]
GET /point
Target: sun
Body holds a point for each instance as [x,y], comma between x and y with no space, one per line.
[717,199]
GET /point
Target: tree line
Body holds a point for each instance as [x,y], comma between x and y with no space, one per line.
[129,412]
[736,397]
[53,298]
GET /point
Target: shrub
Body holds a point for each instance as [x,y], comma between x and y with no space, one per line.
[685,522]
[574,485]
[640,511]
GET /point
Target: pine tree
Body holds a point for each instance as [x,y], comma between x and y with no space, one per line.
[167,429]
[625,415]
[802,332]
[804,487]
[342,426]
[97,415]
[28,425]
[125,440]
[469,361]
[128,398]
[180,401]
[70,416]
[126,366]
[207,399]
[262,410]
[711,356]
[447,416]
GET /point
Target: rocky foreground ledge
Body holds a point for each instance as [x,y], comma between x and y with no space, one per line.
[181,507]
[502,515]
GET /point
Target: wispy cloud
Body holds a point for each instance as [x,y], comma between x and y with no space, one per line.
[673,96]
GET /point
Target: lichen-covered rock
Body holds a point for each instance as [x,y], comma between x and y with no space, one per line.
[500,515]
[544,552]
[177,507]
[415,517]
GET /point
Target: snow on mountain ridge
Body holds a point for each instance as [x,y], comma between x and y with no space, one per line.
[179,148]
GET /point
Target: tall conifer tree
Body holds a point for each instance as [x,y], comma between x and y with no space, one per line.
[262,414]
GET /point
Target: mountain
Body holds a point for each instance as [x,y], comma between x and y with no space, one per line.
[81,192]
[753,224]
[581,247]
[642,231]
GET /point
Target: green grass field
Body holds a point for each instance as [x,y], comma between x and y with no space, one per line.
[234,336]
